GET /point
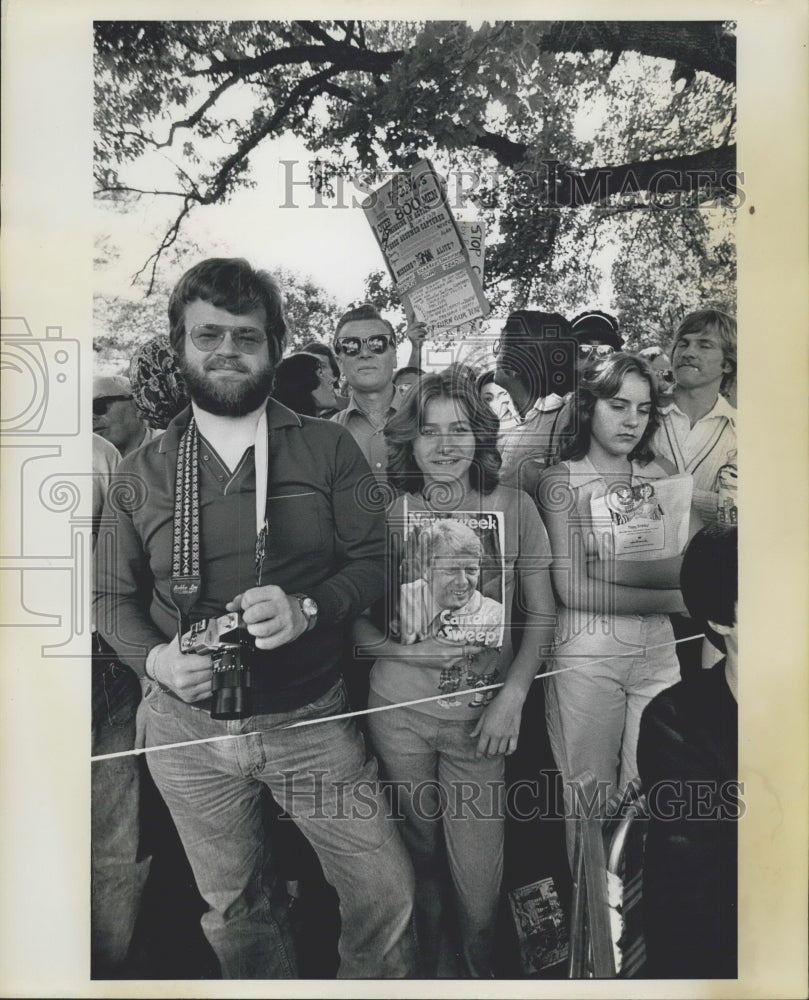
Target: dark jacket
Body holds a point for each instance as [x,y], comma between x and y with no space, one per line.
[325,540]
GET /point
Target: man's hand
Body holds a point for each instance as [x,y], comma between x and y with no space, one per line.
[188,675]
[272,617]
[416,333]
[498,728]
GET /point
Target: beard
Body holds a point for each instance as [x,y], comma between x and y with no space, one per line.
[228,399]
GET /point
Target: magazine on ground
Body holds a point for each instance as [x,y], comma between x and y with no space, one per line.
[541,927]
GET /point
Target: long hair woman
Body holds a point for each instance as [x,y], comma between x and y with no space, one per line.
[614,642]
[443,461]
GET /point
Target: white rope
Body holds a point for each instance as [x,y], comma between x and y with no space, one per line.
[487,687]
[387,708]
[169,746]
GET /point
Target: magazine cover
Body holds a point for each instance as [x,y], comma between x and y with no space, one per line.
[541,926]
[646,521]
[452,588]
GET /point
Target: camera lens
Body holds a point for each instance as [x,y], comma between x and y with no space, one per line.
[230,683]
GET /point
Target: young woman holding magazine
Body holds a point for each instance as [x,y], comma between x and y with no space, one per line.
[468,546]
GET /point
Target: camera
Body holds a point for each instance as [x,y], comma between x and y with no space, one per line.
[230,646]
[40,380]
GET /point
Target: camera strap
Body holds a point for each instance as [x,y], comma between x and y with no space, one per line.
[186,579]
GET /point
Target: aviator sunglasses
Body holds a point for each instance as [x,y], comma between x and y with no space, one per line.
[351,346]
[246,339]
[600,350]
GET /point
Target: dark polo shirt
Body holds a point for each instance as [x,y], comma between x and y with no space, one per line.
[322,541]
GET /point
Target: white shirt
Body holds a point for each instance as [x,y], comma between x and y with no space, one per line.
[701,450]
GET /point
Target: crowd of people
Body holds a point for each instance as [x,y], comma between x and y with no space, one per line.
[386,563]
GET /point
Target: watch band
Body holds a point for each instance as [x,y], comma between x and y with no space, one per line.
[308,608]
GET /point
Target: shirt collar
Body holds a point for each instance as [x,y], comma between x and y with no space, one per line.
[721,408]
[582,471]
[545,404]
[278,415]
[395,403]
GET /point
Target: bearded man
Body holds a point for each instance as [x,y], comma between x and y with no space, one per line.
[243,506]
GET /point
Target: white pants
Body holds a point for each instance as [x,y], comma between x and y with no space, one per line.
[619,663]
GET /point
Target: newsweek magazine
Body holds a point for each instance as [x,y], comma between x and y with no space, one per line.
[452,587]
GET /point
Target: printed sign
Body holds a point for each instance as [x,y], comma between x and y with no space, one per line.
[425,249]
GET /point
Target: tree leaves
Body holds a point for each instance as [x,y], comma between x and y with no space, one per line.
[564,115]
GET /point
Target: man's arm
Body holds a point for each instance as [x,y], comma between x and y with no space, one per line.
[416,334]
[123,590]
[123,582]
[273,616]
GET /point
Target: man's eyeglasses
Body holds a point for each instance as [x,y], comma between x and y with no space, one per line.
[351,346]
[246,339]
[103,403]
[600,350]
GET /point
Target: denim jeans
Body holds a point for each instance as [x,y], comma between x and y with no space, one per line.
[448,800]
[322,776]
[119,869]
[593,712]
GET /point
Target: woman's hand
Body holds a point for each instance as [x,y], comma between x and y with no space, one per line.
[498,728]
[432,653]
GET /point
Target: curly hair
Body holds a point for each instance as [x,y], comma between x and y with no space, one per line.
[405,426]
[602,379]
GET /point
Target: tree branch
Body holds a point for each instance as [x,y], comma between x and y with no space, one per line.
[197,115]
[350,58]
[313,28]
[124,189]
[574,188]
[695,43]
[303,91]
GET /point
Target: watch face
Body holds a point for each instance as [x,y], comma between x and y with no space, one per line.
[309,607]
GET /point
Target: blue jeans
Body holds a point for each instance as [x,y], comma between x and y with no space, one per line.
[447,800]
[322,776]
[119,869]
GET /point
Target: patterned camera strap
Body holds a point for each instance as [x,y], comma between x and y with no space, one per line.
[186,578]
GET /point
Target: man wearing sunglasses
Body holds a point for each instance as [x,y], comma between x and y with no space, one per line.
[243,506]
[115,414]
[596,334]
[365,346]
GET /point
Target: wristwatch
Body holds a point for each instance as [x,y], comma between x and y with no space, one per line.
[308,608]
